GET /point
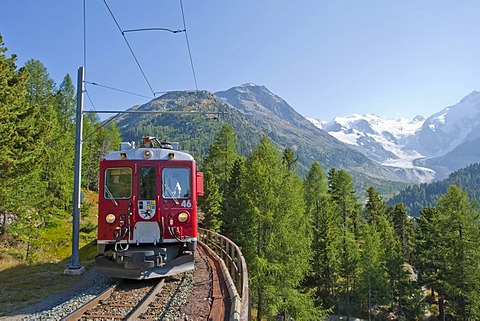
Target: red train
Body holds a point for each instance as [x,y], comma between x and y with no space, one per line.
[147,211]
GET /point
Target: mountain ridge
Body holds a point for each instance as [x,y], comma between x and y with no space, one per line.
[252,111]
[434,147]
[374,155]
[285,122]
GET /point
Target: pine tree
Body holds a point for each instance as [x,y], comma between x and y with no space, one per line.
[217,166]
[13,160]
[340,189]
[315,188]
[392,226]
[403,226]
[375,207]
[222,155]
[373,284]
[22,156]
[407,290]
[326,229]
[211,202]
[327,251]
[90,151]
[430,254]
[376,241]
[349,256]
[399,286]
[232,203]
[273,219]
[289,158]
[65,105]
[41,93]
[461,239]
[20,138]
[447,254]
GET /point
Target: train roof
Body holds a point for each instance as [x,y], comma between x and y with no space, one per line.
[149,150]
[148,154]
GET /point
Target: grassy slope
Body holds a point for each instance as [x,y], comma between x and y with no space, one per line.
[25,282]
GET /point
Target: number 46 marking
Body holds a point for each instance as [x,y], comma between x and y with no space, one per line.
[186,203]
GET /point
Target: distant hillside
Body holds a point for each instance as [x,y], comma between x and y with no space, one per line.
[420,196]
[194,132]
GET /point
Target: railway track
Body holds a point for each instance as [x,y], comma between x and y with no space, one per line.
[127,300]
[152,299]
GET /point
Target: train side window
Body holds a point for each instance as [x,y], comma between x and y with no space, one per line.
[146,183]
[176,182]
[118,183]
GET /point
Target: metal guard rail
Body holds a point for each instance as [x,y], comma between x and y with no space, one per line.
[235,264]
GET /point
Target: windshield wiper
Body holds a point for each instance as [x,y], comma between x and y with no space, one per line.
[110,195]
[171,194]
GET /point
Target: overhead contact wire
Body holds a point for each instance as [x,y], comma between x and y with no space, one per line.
[129,47]
[116,89]
[90,99]
[154,29]
[188,45]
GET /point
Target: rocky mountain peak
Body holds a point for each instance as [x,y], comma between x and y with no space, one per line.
[254,99]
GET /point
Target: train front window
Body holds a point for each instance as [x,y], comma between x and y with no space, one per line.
[176,182]
[118,183]
[146,184]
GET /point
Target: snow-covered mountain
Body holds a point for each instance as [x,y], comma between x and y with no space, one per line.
[444,131]
[431,148]
[450,138]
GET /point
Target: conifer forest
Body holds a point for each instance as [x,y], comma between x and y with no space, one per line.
[312,247]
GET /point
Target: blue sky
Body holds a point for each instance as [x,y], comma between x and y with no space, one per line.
[325,58]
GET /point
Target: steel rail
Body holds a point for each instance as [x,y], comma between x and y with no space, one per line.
[77,314]
[137,310]
[143,306]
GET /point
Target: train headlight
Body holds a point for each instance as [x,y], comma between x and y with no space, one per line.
[110,218]
[147,154]
[182,217]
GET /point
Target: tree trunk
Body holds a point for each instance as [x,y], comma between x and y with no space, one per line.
[3,223]
[348,298]
[441,307]
[369,301]
[260,306]
[27,254]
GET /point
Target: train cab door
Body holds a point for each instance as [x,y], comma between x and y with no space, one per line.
[179,202]
[147,227]
[115,186]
